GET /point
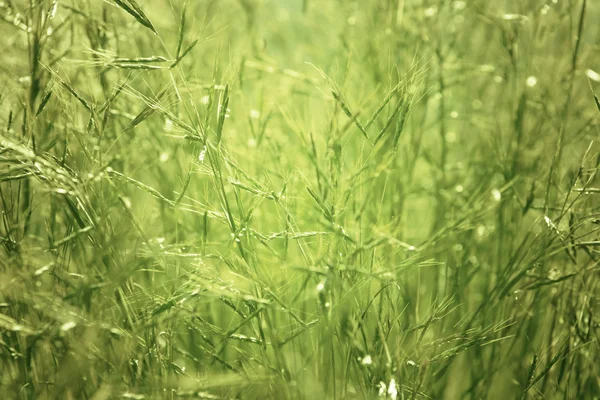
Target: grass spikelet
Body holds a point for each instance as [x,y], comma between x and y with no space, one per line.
[133,9]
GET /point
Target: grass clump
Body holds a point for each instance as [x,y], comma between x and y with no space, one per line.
[249,199]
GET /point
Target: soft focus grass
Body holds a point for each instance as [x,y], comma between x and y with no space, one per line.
[299,199]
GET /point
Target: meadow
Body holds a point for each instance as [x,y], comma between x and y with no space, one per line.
[299,199]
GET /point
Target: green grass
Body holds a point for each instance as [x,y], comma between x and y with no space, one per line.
[299,199]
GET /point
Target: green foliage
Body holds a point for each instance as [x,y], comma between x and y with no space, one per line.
[250,199]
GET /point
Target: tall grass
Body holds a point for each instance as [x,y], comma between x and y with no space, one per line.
[249,199]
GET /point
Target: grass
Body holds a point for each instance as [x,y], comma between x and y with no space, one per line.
[249,199]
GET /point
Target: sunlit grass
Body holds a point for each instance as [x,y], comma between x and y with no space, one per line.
[259,199]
